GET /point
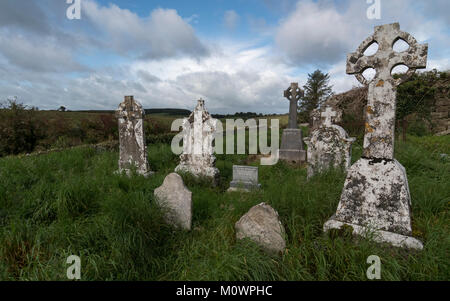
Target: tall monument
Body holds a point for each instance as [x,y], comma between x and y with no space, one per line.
[292,140]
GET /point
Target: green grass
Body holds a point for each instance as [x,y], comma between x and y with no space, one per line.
[59,204]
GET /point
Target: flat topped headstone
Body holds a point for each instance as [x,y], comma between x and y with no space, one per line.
[376,197]
[133,149]
[244,178]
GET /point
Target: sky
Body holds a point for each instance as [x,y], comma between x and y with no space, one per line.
[238,55]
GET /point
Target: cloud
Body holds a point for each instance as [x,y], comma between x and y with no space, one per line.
[315,33]
[230,19]
[25,15]
[162,34]
[43,55]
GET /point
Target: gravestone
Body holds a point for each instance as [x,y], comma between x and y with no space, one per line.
[262,225]
[376,197]
[328,145]
[176,200]
[292,140]
[245,178]
[133,150]
[198,135]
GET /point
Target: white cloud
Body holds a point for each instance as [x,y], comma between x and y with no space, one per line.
[162,34]
[230,19]
[42,55]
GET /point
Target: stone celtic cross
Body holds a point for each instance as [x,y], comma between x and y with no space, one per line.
[293,94]
[328,114]
[381,102]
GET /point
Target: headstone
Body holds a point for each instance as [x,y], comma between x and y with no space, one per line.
[317,118]
[329,146]
[198,135]
[261,224]
[245,178]
[176,199]
[292,140]
[376,196]
[133,150]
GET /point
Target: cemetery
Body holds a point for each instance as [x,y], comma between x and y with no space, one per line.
[347,184]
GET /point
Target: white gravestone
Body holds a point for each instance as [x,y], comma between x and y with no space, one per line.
[329,146]
[376,197]
[198,152]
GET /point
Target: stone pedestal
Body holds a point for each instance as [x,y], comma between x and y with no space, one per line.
[292,146]
[375,202]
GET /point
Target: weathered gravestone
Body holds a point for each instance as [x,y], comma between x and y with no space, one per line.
[133,150]
[176,199]
[376,197]
[245,178]
[261,224]
[198,135]
[317,117]
[328,146]
[292,140]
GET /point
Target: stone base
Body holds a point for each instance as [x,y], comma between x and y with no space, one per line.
[292,155]
[376,196]
[128,173]
[292,146]
[243,186]
[380,236]
[200,171]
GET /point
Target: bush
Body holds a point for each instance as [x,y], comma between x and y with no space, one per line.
[19,128]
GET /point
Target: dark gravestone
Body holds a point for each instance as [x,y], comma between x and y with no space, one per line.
[292,140]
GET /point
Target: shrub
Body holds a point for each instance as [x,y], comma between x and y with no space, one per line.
[19,128]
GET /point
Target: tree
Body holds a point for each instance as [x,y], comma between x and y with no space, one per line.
[62,109]
[317,90]
[416,96]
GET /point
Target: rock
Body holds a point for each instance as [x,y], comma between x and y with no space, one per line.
[261,224]
[177,200]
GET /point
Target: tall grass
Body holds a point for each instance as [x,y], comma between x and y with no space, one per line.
[59,204]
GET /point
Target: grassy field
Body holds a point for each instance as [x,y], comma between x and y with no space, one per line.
[71,202]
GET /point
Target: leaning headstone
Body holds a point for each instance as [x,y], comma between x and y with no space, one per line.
[245,178]
[376,197]
[292,140]
[133,150]
[176,199]
[198,135]
[329,146]
[261,224]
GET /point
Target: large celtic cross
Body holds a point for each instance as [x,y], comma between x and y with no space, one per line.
[293,94]
[381,102]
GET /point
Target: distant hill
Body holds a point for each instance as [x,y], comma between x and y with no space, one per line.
[173,112]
